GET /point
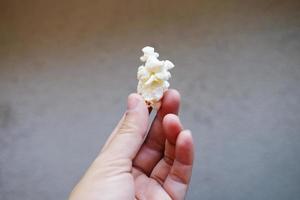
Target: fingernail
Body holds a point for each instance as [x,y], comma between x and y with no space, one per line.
[132,102]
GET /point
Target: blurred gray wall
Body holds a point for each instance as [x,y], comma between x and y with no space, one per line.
[66,68]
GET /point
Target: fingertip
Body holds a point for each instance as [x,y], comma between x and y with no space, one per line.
[137,112]
[185,139]
[170,118]
[172,127]
[134,96]
[185,148]
[172,95]
[134,100]
[170,102]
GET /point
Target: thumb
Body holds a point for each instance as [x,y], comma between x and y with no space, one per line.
[128,136]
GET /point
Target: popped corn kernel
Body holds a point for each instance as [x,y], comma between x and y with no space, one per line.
[153,77]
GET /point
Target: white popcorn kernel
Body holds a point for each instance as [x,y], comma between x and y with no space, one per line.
[153,77]
[148,51]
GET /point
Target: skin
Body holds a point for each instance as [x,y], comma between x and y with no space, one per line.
[134,164]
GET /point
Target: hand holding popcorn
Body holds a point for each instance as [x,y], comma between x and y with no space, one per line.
[153,77]
[141,160]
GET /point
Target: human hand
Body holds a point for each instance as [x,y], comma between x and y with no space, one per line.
[136,165]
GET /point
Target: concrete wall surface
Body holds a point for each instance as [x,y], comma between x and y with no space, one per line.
[66,68]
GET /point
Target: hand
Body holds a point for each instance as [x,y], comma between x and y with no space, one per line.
[137,165]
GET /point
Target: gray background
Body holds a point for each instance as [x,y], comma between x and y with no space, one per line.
[66,68]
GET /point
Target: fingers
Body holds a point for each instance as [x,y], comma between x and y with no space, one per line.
[129,135]
[152,150]
[177,181]
[172,127]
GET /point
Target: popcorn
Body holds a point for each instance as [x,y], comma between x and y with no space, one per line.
[153,77]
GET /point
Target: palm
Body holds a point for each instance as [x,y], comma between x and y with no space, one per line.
[150,188]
